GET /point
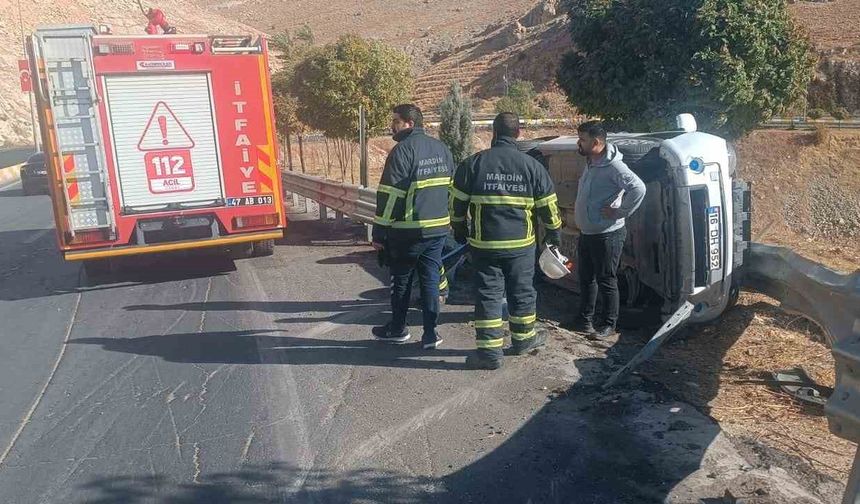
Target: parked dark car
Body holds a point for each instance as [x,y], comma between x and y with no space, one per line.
[34,175]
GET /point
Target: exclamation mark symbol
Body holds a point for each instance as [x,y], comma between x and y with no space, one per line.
[162,125]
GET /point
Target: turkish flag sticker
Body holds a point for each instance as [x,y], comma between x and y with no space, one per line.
[25,76]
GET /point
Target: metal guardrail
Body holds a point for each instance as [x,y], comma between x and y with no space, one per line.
[527,123]
[355,201]
[830,299]
[483,120]
[801,123]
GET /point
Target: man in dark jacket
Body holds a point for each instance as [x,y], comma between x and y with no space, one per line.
[500,189]
[412,221]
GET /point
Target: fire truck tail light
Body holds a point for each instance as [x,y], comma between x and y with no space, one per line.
[256,221]
[88,237]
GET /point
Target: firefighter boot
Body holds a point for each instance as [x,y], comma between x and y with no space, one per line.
[484,359]
[522,347]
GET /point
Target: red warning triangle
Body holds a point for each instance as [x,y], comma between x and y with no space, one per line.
[164,131]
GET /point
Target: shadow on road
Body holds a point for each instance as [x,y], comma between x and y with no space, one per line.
[308,233]
[12,193]
[337,310]
[263,484]
[262,347]
[637,443]
[584,446]
[31,267]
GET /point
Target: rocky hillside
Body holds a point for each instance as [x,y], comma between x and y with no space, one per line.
[806,192]
[421,27]
[480,43]
[833,25]
[123,15]
[530,48]
[526,48]
[835,29]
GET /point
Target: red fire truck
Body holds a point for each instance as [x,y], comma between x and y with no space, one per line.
[157,143]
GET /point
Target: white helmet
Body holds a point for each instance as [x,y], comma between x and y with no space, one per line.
[553,263]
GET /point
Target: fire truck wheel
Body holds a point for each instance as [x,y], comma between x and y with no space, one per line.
[97,268]
[264,248]
[241,251]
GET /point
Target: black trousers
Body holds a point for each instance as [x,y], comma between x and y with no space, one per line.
[498,273]
[598,260]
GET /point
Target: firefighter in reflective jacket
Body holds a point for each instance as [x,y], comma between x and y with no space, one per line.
[412,222]
[500,189]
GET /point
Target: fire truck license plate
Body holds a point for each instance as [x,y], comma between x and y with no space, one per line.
[251,200]
[715,256]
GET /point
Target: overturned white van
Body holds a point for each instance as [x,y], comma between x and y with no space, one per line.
[686,243]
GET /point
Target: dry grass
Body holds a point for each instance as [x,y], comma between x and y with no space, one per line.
[725,370]
[790,174]
[831,25]
[821,136]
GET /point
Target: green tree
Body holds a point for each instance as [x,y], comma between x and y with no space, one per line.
[841,114]
[289,50]
[456,122]
[520,100]
[816,113]
[334,80]
[732,63]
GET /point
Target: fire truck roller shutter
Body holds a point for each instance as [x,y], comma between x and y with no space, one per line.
[164,140]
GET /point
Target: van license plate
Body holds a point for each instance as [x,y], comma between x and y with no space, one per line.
[715,255]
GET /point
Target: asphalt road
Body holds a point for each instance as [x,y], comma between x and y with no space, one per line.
[202,380]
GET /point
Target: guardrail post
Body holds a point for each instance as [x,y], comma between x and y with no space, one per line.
[338,219]
[323,212]
[369,228]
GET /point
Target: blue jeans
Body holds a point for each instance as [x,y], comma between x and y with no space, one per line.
[424,257]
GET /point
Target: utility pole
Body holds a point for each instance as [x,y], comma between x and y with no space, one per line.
[362,144]
[34,125]
[506,80]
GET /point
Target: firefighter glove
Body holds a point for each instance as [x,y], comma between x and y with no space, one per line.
[461,232]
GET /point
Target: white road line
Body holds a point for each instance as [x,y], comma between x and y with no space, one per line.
[41,394]
[11,186]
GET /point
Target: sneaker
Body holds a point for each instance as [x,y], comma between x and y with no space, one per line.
[428,344]
[383,333]
[604,333]
[484,360]
[524,347]
[583,327]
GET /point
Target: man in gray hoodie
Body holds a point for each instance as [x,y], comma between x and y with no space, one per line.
[608,193]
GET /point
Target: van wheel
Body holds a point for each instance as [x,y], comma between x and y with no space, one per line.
[263,248]
[634,148]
